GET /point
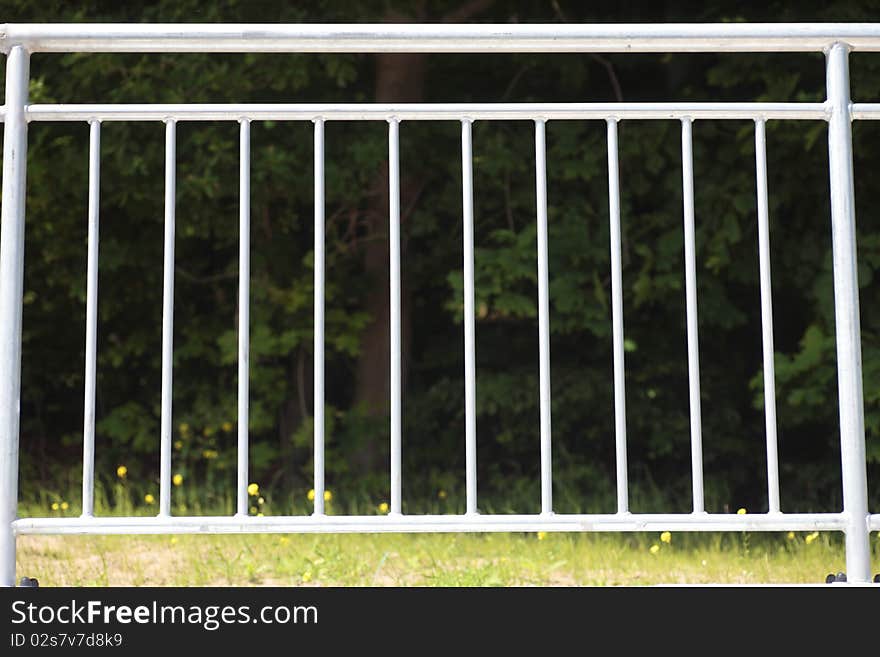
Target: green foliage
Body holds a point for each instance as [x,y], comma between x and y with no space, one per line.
[281,334]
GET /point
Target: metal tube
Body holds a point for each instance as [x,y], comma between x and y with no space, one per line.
[687,165]
[426,111]
[88,479]
[11,285]
[617,320]
[168,319]
[439,38]
[767,316]
[319,318]
[674,522]
[394,275]
[470,386]
[244,280]
[846,316]
[543,317]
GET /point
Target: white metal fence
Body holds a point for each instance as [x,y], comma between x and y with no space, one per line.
[835,40]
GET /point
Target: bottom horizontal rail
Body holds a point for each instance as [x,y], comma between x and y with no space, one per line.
[623,522]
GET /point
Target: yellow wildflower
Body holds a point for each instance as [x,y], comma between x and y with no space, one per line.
[306,577]
[542,536]
[253,489]
[64,506]
[207,431]
[790,536]
[178,445]
[210,454]
[654,549]
[261,500]
[441,494]
[328,496]
[260,515]
[149,499]
[177,479]
[809,538]
[227,427]
[184,428]
[173,540]
[55,506]
[741,511]
[666,537]
[121,471]
[383,507]
[311,494]
[253,509]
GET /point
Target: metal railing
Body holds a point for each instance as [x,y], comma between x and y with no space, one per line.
[835,40]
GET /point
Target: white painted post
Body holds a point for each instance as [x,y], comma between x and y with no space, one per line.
[846,318]
[11,284]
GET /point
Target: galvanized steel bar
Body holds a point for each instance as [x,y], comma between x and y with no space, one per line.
[543,317]
[244,279]
[318,412]
[88,478]
[846,316]
[617,320]
[561,522]
[470,386]
[394,289]
[425,111]
[166,427]
[438,37]
[690,259]
[767,316]
[11,287]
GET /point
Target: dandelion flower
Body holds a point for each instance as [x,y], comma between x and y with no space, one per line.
[311,494]
[227,427]
[253,490]
[809,538]
[542,536]
[790,536]
[209,454]
[178,445]
[328,496]
[306,577]
[184,428]
[177,479]
[260,514]
[261,500]
[654,549]
[121,471]
[55,506]
[441,494]
[741,511]
[64,506]
[666,537]
[149,499]
[173,540]
[383,507]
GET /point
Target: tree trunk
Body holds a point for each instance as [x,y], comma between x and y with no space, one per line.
[400,78]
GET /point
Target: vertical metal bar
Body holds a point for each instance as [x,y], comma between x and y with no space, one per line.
[394,271]
[846,315]
[319,318]
[168,319]
[470,389]
[687,162]
[244,279]
[617,319]
[767,316]
[543,316]
[11,285]
[88,480]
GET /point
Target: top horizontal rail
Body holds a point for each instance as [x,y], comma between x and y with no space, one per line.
[439,38]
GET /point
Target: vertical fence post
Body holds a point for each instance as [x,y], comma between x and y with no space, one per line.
[11,283]
[846,317]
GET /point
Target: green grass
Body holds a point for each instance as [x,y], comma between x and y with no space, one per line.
[429,559]
[498,559]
